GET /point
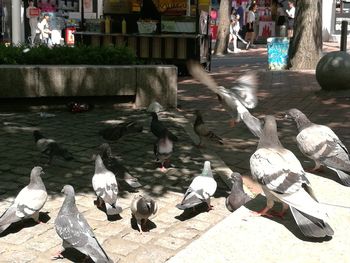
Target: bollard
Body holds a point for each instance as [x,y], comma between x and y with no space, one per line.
[344,35]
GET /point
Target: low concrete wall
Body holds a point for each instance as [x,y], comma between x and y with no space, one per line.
[147,82]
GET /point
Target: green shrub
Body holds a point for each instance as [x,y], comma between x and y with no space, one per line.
[64,55]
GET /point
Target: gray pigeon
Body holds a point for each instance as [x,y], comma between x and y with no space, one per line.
[28,202]
[74,230]
[50,147]
[283,179]
[142,207]
[200,190]
[237,197]
[202,130]
[163,148]
[114,165]
[158,129]
[321,144]
[106,187]
[236,99]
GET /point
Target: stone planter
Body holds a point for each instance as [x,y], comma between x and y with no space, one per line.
[146,83]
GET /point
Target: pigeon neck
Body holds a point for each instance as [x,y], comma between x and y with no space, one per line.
[99,167]
[36,182]
[269,136]
[198,120]
[302,121]
[69,206]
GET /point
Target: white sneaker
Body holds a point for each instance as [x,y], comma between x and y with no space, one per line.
[237,50]
[230,51]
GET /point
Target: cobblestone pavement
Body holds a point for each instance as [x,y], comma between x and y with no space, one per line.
[170,230]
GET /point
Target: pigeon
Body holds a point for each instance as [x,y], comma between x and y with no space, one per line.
[50,147]
[163,148]
[106,187]
[115,166]
[158,128]
[321,144]
[72,227]
[113,133]
[236,99]
[142,207]
[202,130]
[237,197]
[200,190]
[28,202]
[155,107]
[283,180]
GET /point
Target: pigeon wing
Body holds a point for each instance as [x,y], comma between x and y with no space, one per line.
[279,170]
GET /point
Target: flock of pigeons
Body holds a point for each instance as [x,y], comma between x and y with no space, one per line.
[274,167]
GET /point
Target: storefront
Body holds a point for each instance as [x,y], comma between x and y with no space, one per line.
[158,31]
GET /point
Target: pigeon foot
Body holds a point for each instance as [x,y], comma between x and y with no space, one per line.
[58,255]
[262,212]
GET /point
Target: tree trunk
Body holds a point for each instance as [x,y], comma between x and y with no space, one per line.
[306,45]
[224,27]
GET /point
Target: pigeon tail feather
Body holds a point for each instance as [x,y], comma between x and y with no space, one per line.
[344,177]
[113,210]
[311,226]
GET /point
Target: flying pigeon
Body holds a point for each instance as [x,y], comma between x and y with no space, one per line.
[106,187]
[142,207]
[283,179]
[158,128]
[321,144]
[50,147]
[200,190]
[115,166]
[163,148]
[202,130]
[113,133]
[74,230]
[237,197]
[236,99]
[28,202]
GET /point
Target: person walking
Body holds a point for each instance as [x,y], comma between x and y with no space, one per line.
[234,35]
[291,15]
[32,14]
[250,35]
[45,31]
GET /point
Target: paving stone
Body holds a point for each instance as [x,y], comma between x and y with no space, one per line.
[170,242]
[120,246]
[149,254]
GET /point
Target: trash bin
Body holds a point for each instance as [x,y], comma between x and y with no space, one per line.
[277,52]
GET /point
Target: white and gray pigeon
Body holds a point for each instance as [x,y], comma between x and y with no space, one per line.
[321,144]
[236,99]
[142,207]
[28,202]
[201,189]
[203,132]
[75,232]
[283,180]
[50,147]
[163,148]
[114,165]
[237,197]
[106,187]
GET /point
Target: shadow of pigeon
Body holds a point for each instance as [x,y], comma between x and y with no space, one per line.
[76,256]
[18,226]
[192,212]
[146,227]
[103,209]
[287,221]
